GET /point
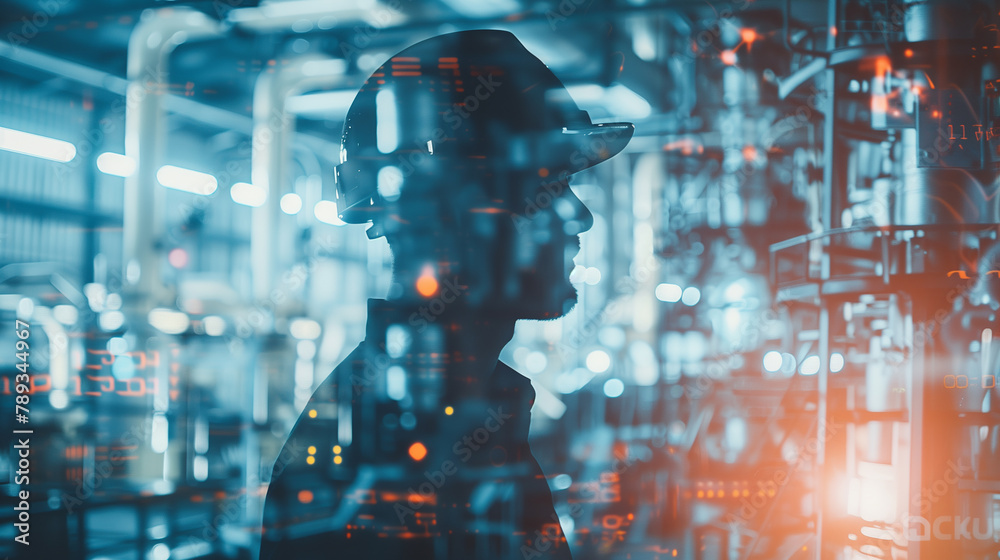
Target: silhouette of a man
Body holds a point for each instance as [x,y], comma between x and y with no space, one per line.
[458,150]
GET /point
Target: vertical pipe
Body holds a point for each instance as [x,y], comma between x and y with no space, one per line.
[157,34]
[273,127]
[829,137]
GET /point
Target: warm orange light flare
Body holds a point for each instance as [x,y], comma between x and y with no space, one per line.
[728,57]
[305,496]
[427,284]
[748,35]
[418,451]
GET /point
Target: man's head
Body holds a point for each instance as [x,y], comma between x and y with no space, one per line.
[459,151]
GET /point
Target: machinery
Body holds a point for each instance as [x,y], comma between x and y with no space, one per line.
[783,345]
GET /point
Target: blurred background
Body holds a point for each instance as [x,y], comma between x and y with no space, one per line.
[783,346]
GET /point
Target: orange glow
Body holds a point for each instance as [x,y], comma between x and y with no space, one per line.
[882,65]
[305,496]
[310,460]
[936,114]
[418,451]
[749,153]
[543,172]
[338,460]
[311,449]
[427,284]
[422,499]
[880,103]
[748,35]
[336,449]
[449,410]
[833,31]
[728,57]
[674,553]
[908,53]
[312,413]
[701,494]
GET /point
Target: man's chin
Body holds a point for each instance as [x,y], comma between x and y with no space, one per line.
[556,308]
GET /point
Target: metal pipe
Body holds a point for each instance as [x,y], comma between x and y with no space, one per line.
[272,132]
[157,34]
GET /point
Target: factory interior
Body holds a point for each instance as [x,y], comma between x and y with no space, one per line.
[781,347]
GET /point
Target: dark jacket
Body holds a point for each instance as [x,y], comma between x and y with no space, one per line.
[476,492]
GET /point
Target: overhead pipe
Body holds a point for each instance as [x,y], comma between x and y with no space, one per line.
[273,129]
[156,35]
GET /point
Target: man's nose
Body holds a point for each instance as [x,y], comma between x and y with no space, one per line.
[580,211]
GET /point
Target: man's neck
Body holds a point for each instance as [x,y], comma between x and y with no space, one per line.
[471,337]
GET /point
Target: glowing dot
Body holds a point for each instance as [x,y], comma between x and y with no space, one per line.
[701,493]
[312,413]
[936,114]
[908,53]
[418,451]
[449,410]
[598,361]
[338,460]
[305,496]
[543,172]
[691,296]
[748,35]
[674,553]
[669,293]
[614,388]
[836,362]
[312,450]
[728,57]
[772,361]
[178,258]
[427,284]
[336,449]
[310,460]
[711,493]
[810,366]
[291,203]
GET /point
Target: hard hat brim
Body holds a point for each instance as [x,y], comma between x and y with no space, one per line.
[596,143]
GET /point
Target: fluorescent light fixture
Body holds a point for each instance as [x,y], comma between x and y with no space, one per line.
[387,131]
[34,145]
[115,164]
[305,329]
[326,212]
[493,8]
[186,180]
[168,320]
[327,104]
[248,195]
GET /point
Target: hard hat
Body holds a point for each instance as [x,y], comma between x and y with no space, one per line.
[472,101]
